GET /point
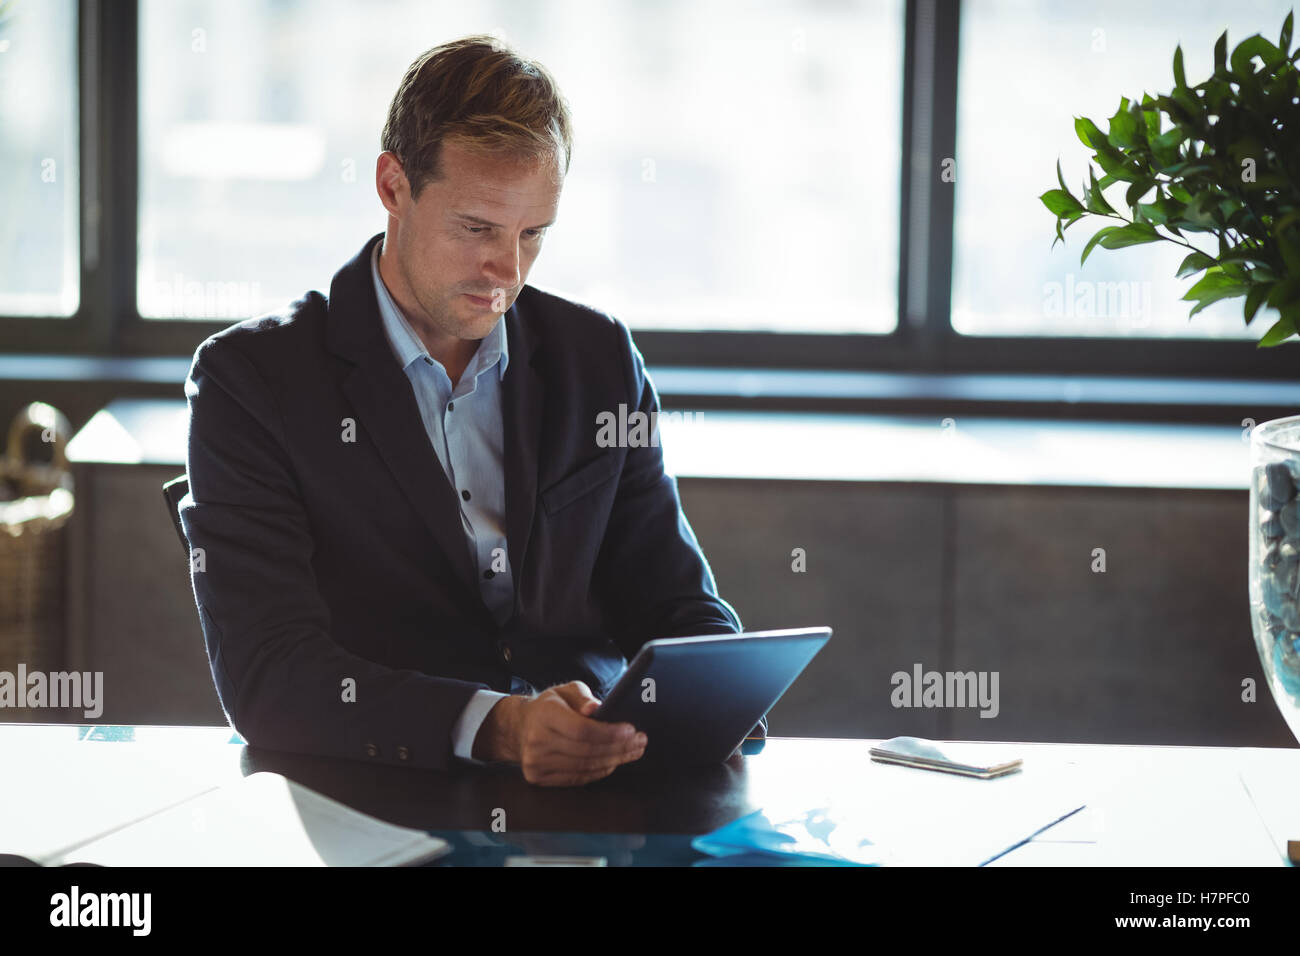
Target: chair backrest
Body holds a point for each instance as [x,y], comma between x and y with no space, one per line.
[173,492]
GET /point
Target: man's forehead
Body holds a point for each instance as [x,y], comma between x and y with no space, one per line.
[497,170]
[489,201]
[495,183]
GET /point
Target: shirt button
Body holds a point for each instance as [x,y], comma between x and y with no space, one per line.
[372,750]
[450,406]
[464,494]
[489,574]
[403,753]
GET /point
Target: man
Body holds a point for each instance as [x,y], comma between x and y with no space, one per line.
[409,545]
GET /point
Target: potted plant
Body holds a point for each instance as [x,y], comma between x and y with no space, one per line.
[1215,167]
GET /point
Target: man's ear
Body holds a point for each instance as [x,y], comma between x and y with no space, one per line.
[391,183]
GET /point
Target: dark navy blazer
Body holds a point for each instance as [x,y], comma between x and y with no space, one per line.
[337,596]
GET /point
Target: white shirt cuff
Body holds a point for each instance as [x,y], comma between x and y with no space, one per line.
[470,720]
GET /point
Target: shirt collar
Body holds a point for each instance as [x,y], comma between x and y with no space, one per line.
[406,345]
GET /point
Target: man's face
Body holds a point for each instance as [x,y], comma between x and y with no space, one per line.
[473,233]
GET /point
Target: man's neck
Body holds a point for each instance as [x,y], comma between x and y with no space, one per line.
[454,354]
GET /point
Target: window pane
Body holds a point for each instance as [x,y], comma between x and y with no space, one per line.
[39,242]
[732,167]
[1016,116]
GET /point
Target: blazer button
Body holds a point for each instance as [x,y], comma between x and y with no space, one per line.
[403,753]
[505,653]
[372,750]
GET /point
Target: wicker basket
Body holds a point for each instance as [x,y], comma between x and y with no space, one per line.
[35,504]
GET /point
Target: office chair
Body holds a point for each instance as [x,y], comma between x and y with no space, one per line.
[173,492]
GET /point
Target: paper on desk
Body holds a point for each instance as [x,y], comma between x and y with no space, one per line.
[264,819]
[908,817]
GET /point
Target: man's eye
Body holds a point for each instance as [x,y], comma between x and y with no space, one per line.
[533,233]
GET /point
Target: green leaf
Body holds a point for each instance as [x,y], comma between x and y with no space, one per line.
[1093,198]
[1221,54]
[1165,146]
[1195,262]
[1290,252]
[1134,234]
[1123,130]
[1214,280]
[1150,115]
[1060,203]
[1244,253]
[1059,178]
[1284,40]
[1092,243]
[1088,133]
[1254,299]
[1284,292]
[1118,168]
[1191,107]
[1188,169]
[1197,216]
[1248,49]
[1180,78]
[1282,330]
[1138,190]
[1213,287]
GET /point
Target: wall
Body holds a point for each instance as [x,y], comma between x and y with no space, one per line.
[953,577]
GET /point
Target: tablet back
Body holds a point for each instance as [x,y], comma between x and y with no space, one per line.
[697,697]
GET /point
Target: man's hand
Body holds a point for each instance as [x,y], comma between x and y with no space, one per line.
[554,740]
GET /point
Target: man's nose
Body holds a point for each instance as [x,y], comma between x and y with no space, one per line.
[502,269]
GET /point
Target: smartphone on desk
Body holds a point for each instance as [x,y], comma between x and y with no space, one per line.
[970,760]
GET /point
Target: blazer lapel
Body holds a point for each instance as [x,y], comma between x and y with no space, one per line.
[522,401]
[387,410]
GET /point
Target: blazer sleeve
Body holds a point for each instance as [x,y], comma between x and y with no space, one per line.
[652,576]
[283,682]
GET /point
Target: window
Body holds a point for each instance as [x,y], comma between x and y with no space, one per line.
[39,245]
[753,181]
[735,166]
[1016,116]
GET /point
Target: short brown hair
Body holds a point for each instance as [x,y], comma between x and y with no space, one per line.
[483,95]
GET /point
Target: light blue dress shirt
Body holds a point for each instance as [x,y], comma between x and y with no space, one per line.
[464,425]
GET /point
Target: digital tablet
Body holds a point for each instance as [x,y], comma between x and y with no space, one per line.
[697,697]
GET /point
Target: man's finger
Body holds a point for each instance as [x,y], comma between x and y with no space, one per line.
[577,695]
[566,723]
[563,747]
